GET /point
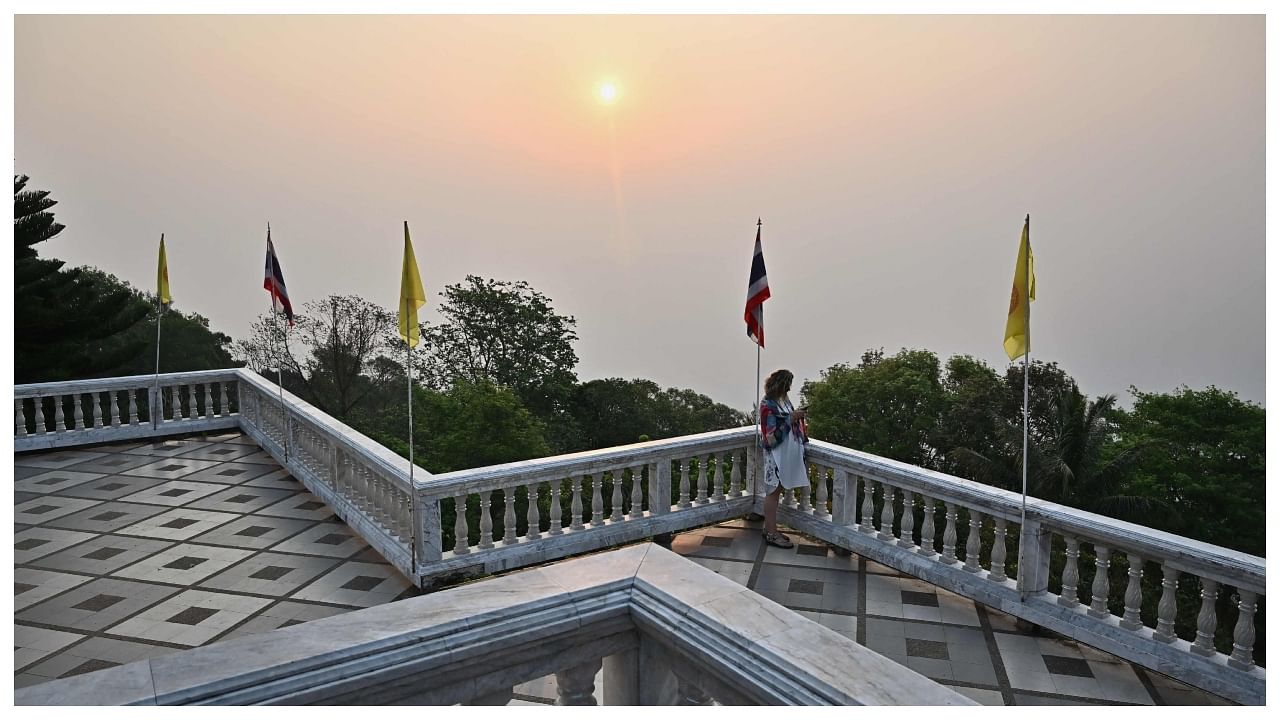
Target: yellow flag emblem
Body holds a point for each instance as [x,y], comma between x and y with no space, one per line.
[1017,329]
[162,275]
[412,295]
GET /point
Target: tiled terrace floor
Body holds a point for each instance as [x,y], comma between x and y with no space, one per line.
[130,551]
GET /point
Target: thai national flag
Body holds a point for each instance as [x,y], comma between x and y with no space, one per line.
[757,293]
[273,282]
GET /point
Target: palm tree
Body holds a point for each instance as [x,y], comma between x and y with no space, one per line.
[1070,464]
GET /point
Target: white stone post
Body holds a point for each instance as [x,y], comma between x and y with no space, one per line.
[461,543]
[926,527]
[113,409]
[59,422]
[886,512]
[660,487]
[19,419]
[949,535]
[622,678]
[531,513]
[557,526]
[684,483]
[486,520]
[821,509]
[39,410]
[1070,573]
[999,548]
[133,406]
[637,493]
[575,505]
[703,462]
[1132,619]
[843,497]
[577,685]
[1101,583]
[1034,546]
[868,506]
[615,511]
[1242,651]
[973,543]
[509,515]
[597,502]
[1167,610]
[1207,620]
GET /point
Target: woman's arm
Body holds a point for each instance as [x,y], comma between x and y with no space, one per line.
[773,426]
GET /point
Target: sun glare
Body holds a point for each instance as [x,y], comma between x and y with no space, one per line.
[608,93]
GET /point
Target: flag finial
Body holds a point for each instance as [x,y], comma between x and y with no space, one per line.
[759,222]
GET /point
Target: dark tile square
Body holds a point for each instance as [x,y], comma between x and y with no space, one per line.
[310,505]
[808,587]
[179,523]
[814,550]
[241,499]
[105,553]
[290,622]
[222,451]
[175,492]
[98,602]
[114,461]
[927,649]
[171,468]
[51,481]
[89,666]
[713,541]
[29,543]
[193,616]
[363,583]
[231,472]
[1059,665]
[333,539]
[110,487]
[255,531]
[19,588]
[108,516]
[911,597]
[40,509]
[271,572]
[185,563]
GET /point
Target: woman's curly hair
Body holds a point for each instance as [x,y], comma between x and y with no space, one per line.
[777,384]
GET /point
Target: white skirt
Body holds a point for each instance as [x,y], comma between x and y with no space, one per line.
[784,465]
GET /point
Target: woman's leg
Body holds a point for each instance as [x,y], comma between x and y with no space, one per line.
[771,510]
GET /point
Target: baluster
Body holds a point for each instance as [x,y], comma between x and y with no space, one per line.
[575,507]
[998,550]
[735,474]
[175,405]
[868,506]
[1070,573]
[822,510]
[77,410]
[637,494]
[597,501]
[113,408]
[460,529]
[486,520]
[906,537]
[926,527]
[133,407]
[95,401]
[1242,651]
[557,526]
[192,412]
[721,476]
[19,418]
[949,535]
[1132,619]
[59,422]
[803,493]
[1207,620]
[1168,609]
[39,409]
[616,504]
[208,400]
[223,409]
[1101,582]
[684,482]
[886,512]
[973,543]
[702,478]
[509,517]
[532,513]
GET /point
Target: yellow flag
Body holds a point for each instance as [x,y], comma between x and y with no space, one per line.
[412,296]
[162,275]
[1017,341]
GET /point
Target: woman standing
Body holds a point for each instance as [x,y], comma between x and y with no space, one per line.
[783,432]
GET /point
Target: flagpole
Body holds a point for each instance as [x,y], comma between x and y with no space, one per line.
[275,316]
[157,402]
[756,411]
[1026,372]
[408,368]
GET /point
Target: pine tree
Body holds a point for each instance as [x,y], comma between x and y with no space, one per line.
[67,324]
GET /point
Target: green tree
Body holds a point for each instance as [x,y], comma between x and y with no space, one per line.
[508,334]
[613,411]
[888,406]
[972,410]
[469,425]
[67,324]
[1206,456]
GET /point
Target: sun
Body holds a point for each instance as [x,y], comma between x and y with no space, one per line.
[607,92]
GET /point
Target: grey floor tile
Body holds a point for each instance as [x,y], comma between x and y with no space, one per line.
[103,554]
[107,517]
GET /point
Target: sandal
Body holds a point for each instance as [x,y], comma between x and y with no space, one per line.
[777,539]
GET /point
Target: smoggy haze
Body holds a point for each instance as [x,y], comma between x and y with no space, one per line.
[892,159]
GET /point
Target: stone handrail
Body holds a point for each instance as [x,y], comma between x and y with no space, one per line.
[64,414]
[652,488]
[662,627]
[864,512]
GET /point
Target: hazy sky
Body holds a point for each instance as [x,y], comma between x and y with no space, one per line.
[891,158]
